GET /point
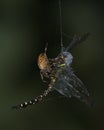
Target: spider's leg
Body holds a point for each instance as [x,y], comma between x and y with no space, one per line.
[35,100]
[46,47]
[76,40]
[42,76]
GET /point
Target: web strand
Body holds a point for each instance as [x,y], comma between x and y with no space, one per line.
[60,24]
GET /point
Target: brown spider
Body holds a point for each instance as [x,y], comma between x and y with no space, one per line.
[44,65]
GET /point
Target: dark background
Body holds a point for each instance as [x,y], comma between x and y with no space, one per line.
[25,27]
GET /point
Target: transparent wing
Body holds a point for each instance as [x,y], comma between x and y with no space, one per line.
[69,85]
[76,40]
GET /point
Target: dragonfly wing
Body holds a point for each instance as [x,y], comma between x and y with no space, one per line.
[68,84]
[62,88]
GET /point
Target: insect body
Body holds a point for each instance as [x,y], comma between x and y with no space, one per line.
[67,83]
[58,74]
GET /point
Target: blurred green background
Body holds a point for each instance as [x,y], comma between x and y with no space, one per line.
[25,27]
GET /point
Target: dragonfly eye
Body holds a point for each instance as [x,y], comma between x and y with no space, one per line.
[67,58]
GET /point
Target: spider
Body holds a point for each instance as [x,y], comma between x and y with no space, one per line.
[59,76]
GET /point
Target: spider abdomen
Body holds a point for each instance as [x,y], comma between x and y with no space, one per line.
[43,62]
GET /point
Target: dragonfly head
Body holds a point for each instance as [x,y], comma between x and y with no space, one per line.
[68,58]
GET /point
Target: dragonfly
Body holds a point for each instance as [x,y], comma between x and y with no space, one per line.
[58,74]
